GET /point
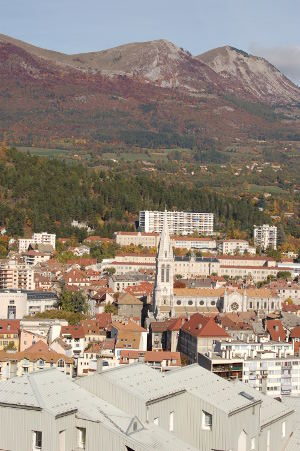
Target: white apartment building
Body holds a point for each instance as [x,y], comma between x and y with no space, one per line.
[15,304]
[36,239]
[272,374]
[179,222]
[143,239]
[16,276]
[235,246]
[268,367]
[265,236]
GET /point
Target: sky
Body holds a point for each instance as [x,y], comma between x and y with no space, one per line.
[269,28]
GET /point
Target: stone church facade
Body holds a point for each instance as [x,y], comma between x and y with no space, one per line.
[168,301]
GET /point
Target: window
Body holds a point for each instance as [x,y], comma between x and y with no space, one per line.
[283,429]
[162,273]
[268,439]
[81,438]
[252,444]
[168,273]
[61,363]
[156,421]
[171,422]
[206,421]
[62,441]
[36,440]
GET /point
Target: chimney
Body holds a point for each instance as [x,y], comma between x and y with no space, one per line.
[99,366]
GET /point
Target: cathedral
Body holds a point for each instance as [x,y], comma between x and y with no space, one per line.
[169,301]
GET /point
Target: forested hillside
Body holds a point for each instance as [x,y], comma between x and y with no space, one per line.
[46,194]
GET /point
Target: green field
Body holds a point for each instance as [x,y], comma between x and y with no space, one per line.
[39,151]
[266,189]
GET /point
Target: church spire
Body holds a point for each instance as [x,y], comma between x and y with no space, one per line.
[165,248]
[163,288]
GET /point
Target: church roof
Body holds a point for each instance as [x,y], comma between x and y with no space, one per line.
[199,292]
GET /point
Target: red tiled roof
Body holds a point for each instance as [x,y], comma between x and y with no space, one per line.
[83,261]
[275,329]
[138,233]
[103,320]
[9,326]
[291,308]
[295,332]
[151,356]
[39,350]
[74,331]
[203,326]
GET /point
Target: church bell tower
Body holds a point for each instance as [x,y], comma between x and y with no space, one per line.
[163,288]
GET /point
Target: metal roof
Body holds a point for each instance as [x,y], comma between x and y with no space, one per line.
[56,393]
[140,380]
[147,384]
[209,387]
[270,410]
[293,402]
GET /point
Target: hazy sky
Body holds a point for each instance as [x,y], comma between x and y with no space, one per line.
[269,28]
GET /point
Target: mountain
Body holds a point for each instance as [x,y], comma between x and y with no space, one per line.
[251,75]
[150,94]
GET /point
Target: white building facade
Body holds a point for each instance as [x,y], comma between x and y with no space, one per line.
[180,222]
[37,238]
[265,236]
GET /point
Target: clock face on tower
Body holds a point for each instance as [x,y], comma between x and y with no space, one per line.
[234,306]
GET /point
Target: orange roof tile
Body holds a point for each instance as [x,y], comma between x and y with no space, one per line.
[203,326]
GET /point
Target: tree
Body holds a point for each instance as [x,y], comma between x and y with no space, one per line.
[110,271]
[281,237]
[73,301]
[283,274]
[10,347]
[274,253]
[111,308]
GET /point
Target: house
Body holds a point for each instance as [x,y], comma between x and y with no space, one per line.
[295,337]
[28,339]
[275,330]
[128,335]
[58,345]
[38,357]
[99,299]
[198,336]
[162,360]
[9,334]
[129,305]
[74,336]
[92,331]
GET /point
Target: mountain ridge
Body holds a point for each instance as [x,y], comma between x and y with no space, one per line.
[144,94]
